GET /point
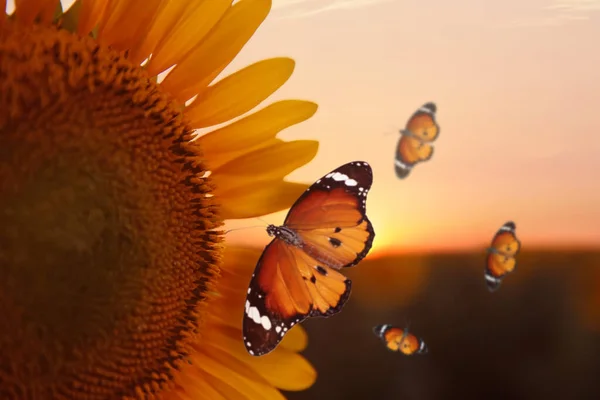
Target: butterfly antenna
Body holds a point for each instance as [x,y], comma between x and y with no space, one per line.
[263,221]
[245,227]
[406,326]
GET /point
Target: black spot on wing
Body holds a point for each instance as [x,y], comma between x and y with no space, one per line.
[335,242]
[338,230]
[321,270]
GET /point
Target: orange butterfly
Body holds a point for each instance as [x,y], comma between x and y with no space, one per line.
[415,141]
[297,276]
[397,339]
[501,255]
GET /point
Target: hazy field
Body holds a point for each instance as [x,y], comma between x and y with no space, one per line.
[538,336]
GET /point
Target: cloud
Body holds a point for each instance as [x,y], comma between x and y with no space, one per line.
[560,12]
[305,8]
[548,20]
[575,6]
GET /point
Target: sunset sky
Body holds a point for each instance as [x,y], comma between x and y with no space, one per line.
[517,85]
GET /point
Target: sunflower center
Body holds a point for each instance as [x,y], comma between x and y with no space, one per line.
[107,248]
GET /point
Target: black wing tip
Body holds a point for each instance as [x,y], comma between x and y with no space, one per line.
[379,330]
[402,172]
[357,163]
[510,225]
[259,352]
[260,346]
[431,106]
[492,283]
[423,348]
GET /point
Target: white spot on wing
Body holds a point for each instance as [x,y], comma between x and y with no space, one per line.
[338,176]
[402,165]
[351,182]
[265,322]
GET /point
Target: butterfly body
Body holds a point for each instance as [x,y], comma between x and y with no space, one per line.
[397,339]
[286,234]
[501,257]
[415,143]
[297,276]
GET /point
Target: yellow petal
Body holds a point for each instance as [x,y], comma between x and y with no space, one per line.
[165,20]
[253,132]
[224,388]
[259,198]
[196,387]
[267,164]
[180,28]
[239,92]
[92,12]
[221,365]
[26,11]
[282,368]
[126,22]
[296,339]
[205,62]
[236,257]
[70,18]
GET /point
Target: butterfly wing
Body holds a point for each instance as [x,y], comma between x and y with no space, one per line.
[414,144]
[505,240]
[287,287]
[501,255]
[330,216]
[422,123]
[409,152]
[397,339]
[496,267]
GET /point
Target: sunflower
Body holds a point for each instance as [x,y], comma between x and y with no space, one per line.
[115,282]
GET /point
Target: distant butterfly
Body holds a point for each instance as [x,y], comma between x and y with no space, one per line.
[501,255]
[415,141]
[397,339]
[297,276]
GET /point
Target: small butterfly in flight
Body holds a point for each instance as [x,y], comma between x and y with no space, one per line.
[415,141]
[397,339]
[501,255]
[297,276]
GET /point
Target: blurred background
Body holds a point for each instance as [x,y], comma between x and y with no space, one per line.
[538,336]
[517,89]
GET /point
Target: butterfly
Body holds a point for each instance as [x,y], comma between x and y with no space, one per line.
[501,255]
[415,141]
[397,339]
[297,276]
